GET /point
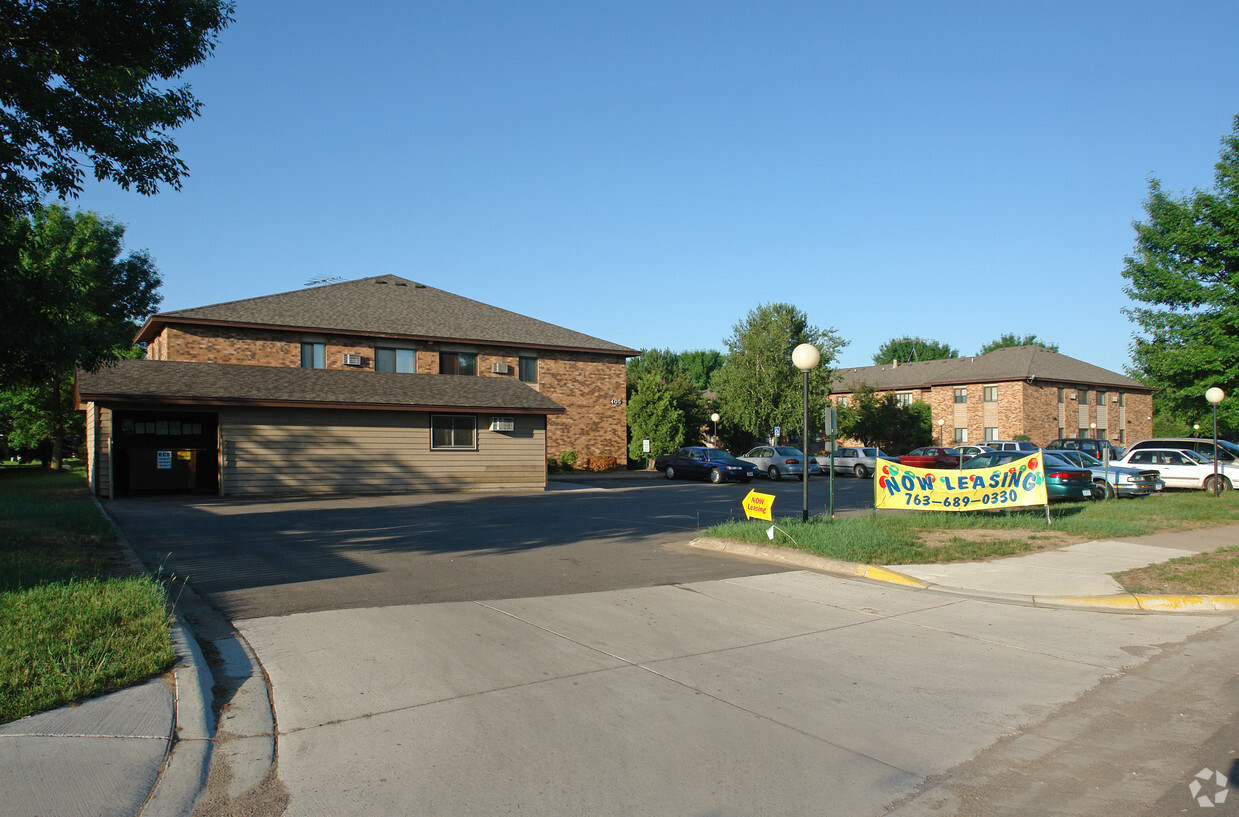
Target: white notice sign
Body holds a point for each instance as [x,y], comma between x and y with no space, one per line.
[163,460]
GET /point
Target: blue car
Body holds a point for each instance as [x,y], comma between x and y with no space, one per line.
[699,461]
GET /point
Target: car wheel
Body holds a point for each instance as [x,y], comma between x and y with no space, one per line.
[670,472]
[1223,484]
[716,476]
[773,473]
[860,471]
[1107,489]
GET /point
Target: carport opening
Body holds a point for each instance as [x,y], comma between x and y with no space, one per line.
[165,452]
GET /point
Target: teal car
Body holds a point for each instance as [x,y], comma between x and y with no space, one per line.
[1063,480]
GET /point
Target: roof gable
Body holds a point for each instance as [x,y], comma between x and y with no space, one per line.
[389,306]
[1006,364]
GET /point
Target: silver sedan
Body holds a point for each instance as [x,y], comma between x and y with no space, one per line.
[778,461]
[857,460]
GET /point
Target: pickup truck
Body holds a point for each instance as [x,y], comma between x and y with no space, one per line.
[931,456]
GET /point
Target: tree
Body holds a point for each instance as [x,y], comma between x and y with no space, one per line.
[758,386]
[700,366]
[90,80]
[1184,272]
[43,414]
[76,298]
[1012,339]
[911,350]
[878,420]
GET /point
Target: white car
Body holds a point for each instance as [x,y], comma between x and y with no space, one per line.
[1114,479]
[970,451]
[1182,469]
[861,461]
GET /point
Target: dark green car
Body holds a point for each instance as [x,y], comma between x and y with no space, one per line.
[1063,480]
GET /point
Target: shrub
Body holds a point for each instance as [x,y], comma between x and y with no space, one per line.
[568,460]
[605,462]
[552,464]
[1021,438]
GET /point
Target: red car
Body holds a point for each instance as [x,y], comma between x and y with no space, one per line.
[932,456]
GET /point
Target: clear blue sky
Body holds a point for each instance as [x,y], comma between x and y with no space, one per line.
[648,172]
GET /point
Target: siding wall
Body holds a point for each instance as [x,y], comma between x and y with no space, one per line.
[270,451]
[98,430]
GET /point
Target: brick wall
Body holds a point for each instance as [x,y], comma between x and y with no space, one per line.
[591,388]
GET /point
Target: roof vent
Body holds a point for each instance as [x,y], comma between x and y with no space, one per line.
[401,284]
[380,281]
[420,286]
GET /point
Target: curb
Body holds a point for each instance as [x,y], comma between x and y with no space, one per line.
[1118,602]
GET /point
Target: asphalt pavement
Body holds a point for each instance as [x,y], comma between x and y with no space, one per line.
[502,672]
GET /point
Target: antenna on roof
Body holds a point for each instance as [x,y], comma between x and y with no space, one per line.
[317,281]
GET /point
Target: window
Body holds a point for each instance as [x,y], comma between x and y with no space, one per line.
[903,399]
[1101,398]
[527,369]
[991,394]
[314,356]
[1083,434]
[961,435]
[458,363]
[1084,397]
[961,395]
[453,432]
[841,400]
[394,360]
[1122,400]
[991,433]
[1100,433]
[1060,400]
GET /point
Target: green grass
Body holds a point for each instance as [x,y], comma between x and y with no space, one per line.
[909,537]
[74,621]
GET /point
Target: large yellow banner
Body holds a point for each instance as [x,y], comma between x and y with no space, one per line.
[1012,485]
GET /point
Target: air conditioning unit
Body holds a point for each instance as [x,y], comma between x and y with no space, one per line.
[500,368]
[502,424]
[352,360]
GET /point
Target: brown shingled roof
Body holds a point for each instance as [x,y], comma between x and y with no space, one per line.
[179,382]
[387,306]
[1010,363]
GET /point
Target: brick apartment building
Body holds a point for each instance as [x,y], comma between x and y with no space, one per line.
[376,385]
[1025,390]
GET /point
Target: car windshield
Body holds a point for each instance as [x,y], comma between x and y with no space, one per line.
[783,451]
[720,454]
[1198,456]
[1058,460]
[951,452]
[1230,448]
[870,452]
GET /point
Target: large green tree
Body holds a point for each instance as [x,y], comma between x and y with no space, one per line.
[76,295]
[912,350]
[758,387]
[1184,276]
[876,419]
[90,81]
[1011,339]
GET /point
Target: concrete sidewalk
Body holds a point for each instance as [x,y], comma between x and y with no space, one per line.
[147,750]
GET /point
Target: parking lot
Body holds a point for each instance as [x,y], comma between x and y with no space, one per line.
[279,556]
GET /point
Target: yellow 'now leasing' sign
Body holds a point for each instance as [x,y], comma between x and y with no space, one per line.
[1011,485]
[759,506]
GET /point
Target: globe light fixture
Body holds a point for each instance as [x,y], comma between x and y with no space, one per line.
[805,357]
[1214,396]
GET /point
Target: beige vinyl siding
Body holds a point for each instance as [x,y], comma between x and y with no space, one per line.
[98,430]
[274,451]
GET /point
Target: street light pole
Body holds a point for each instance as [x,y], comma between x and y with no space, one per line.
[1214,396]
[805,357]
[714,417]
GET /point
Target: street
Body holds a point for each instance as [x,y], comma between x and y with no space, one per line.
[566,652]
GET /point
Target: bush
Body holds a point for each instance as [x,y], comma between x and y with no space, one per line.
[568,460]
[606,462]
[552,464]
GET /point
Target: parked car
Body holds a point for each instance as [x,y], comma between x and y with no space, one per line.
[1096,448]
[699,461]
[861,461]
[1180,468]
[1012,445]
[970,451]
[1228,452]
[778,461]
[1062,479]
[1115,480]
[931,456]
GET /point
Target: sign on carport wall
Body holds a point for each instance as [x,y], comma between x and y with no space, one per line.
[1012,485]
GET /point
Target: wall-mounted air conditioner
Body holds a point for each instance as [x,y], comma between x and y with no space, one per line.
[499,368]
[352,360]
[502,424]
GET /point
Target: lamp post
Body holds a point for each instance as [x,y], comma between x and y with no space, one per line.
[805,357]
[1195,429]
[941,439]
[1214,396]
[714,417]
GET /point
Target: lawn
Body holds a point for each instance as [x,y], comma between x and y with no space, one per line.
[75,618]
[910,537]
